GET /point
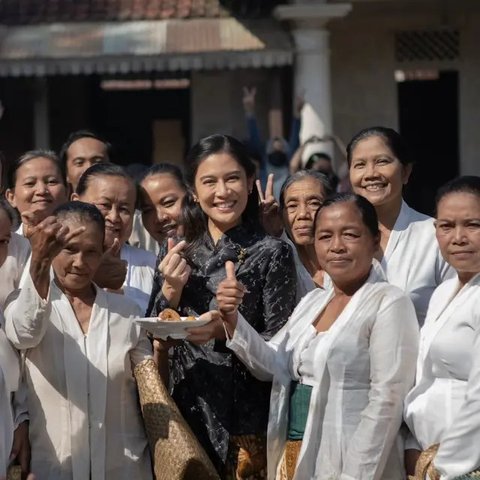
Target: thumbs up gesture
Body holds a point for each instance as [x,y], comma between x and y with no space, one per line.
[230,292]
[112,271]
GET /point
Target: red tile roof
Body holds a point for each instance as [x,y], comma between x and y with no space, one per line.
[15,12]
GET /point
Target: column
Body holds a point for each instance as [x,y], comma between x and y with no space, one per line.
[312,64]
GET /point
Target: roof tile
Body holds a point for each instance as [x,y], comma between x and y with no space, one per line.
[17,12]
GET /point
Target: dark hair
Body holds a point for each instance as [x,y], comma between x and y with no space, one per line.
[464,184]
[165,169]
[190,213]
[32,155]
[99,170]
[82,211]
[366,209]
[315,157]
[302,175]
[392,139]
[3,172]
[78,135]
[10,211]
[195,219]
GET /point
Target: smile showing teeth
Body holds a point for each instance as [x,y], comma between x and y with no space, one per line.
[374,187]
[225,206]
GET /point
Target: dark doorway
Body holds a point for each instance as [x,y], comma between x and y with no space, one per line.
[143,125]
[428,121]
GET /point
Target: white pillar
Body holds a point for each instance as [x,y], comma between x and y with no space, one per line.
[41,126]
[312,64]
[312,76]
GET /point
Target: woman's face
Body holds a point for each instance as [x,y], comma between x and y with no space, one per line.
[375,172]
[162,198]
[302,199]
[343,243]
[458,232]
[38,188]
[77,262]
[115,198]
[222,188]
[5,235]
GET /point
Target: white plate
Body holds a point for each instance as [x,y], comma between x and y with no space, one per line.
[162,329]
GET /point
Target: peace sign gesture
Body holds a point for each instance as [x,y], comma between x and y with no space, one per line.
[270,216]
[248,99]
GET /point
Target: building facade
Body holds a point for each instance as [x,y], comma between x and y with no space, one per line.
[156,75]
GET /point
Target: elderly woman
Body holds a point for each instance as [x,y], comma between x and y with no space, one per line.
[342,364]
[114,193]
[301,195]
[379,168]
[81,345]
[444,405]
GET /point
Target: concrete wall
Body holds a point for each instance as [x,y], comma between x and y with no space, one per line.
[470,96]
[363,63]
[216,100]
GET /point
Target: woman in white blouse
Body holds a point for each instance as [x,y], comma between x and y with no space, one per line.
[444,405]
[379,168]
[114,193]
[342,364]
[14,253]
[81,346]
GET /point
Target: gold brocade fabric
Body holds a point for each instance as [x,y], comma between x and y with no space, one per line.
[247,458]
[289,459]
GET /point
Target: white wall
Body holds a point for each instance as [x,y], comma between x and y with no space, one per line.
[363,62]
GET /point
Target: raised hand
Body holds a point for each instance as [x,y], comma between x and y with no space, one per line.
[21,449]
[248,99]
[299,103]
[270,216]
[174,268]
[175,271]
[48,237]
[113,270]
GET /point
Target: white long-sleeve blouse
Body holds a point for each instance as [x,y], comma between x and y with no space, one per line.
[9,383]
[444,405]
[85,420]
[412,259]
[364,368]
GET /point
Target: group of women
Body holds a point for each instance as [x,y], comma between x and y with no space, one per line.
[312,358]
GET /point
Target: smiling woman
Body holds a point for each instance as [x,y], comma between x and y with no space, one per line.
[162,190]
[226,407]
[81,346]
[380,166]
[36,184]
[113,192]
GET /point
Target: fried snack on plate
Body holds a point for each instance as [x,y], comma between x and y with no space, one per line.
[169,315]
